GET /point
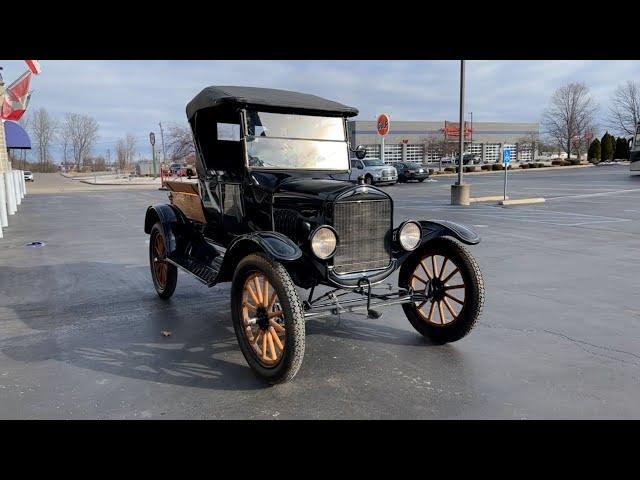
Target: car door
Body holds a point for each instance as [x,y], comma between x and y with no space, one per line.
[357,168]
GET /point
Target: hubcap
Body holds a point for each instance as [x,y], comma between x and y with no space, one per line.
[439,275]
[263,320]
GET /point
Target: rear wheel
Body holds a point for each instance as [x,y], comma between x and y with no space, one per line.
[164,275]
[268,318]
[421,180]
[444,267]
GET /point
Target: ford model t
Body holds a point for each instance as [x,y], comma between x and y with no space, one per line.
[272,213]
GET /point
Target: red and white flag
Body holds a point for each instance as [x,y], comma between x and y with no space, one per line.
[34,66]
[16,98]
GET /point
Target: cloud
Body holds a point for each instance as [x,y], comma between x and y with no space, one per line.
[133,96]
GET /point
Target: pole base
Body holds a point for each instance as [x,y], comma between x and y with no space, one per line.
[460,194]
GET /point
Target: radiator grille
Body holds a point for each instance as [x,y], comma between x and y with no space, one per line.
[363,229]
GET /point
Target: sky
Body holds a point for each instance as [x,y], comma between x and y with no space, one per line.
[133,96]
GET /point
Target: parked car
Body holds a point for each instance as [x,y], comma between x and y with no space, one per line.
[266,215]
[374,172]
[28,176]
[468,159]
[411,171]
[182,170]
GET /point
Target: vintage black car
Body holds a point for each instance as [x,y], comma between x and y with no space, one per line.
[267,214]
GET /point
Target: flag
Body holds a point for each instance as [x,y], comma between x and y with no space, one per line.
[16,98]
[34,66]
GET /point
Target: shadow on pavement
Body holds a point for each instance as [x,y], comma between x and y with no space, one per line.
[72,318]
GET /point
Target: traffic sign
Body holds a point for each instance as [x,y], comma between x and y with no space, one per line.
[382,124]
[152,138]
[506,157]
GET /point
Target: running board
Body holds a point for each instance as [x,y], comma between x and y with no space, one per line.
[206,274]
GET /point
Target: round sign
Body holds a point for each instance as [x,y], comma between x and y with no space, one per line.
[152,138]
[382,124]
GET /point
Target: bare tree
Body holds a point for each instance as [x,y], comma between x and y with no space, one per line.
[570,115]
[122,159]
[82,132]
[44,129]
[130,144]
[624,111]
[179,142]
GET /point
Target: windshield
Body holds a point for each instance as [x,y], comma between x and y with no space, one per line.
[374,163]
[286,141]
[414,165]
[638,140]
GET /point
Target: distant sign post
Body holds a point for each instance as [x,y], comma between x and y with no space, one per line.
[383,123]
[506,161]
[152,141]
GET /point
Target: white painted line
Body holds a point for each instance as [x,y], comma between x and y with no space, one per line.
[602,194]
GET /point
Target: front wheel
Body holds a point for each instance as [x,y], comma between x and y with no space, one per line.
[444,267]
[268,318]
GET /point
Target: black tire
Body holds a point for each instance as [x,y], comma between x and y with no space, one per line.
[293,314]
[368,179]
[421,180]
[474,291]
[164,286]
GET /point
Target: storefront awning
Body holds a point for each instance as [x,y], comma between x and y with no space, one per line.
[16,136]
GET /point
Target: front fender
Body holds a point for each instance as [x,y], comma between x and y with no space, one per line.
[276,245]
[439,228]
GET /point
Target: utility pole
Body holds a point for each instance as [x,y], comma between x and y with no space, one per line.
[164,153]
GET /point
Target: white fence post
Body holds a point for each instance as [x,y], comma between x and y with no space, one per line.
[20,176]
[24,185]
[4,221]
[11,196]
[16,187]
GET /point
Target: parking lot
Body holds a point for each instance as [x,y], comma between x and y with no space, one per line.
[80,322]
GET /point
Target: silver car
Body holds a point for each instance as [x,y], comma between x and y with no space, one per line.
[28,176]
[374,171]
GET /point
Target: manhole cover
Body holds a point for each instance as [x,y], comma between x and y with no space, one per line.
[35,244]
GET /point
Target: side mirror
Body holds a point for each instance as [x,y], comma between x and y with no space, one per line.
[361,152]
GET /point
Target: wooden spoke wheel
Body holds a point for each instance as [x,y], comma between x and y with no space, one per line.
[447,273]
[164,274]
[263,319]
[441,277]
[268,318]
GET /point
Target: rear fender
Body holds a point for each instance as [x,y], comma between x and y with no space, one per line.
[169,218]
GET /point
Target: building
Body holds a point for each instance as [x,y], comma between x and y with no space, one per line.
[429,141]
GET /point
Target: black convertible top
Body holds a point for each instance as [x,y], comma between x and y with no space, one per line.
[269,98]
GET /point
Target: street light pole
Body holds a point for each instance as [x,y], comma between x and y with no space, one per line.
[460,191]
[461,121]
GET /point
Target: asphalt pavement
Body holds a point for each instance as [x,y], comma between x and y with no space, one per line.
[80,323]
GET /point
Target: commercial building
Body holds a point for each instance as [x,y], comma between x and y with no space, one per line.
[429,141]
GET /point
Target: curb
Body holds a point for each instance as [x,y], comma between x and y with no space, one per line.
[489,198]
[118,184]
[521,201]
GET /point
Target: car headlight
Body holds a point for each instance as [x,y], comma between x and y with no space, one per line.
[410,235]
[324,242]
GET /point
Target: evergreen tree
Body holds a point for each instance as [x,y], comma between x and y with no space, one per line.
[607,147]
[594,151]
[620,153]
